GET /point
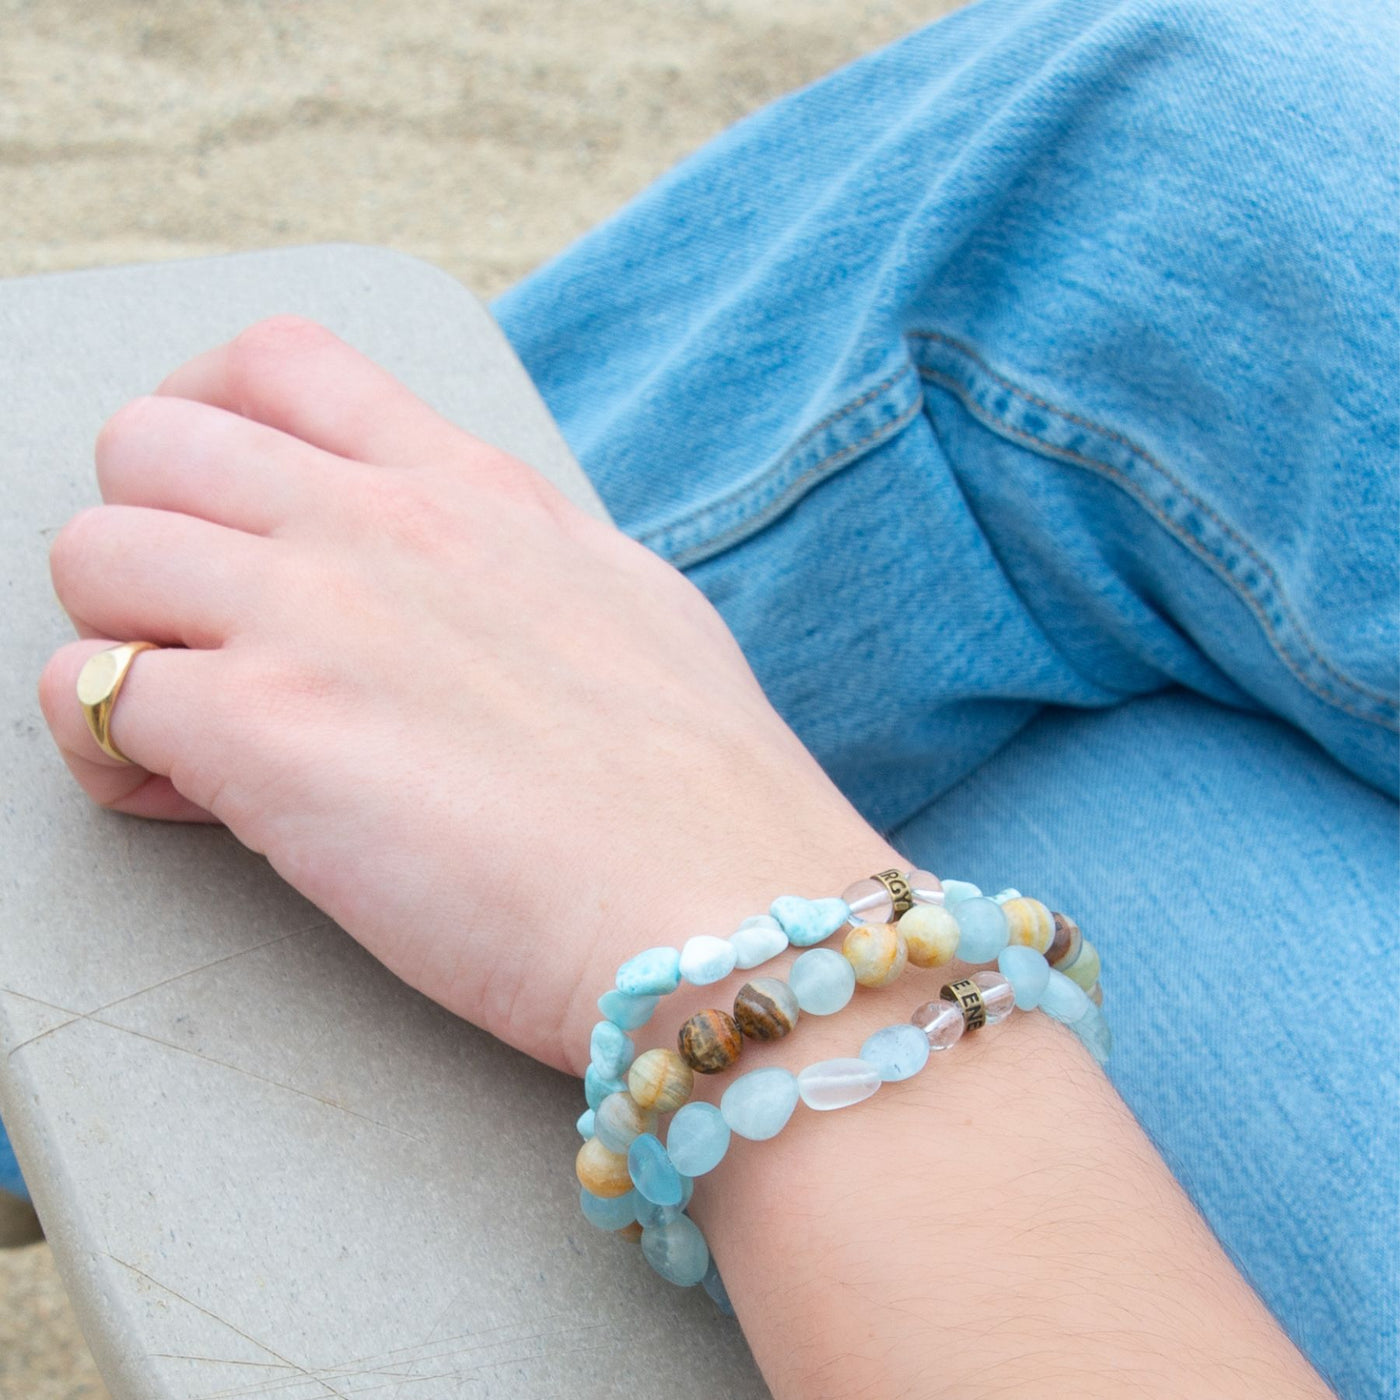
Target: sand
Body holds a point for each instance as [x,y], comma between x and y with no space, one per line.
[483,137]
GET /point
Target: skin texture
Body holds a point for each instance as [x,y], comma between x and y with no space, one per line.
[505,747]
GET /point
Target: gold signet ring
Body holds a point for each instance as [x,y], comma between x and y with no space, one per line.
[99,683]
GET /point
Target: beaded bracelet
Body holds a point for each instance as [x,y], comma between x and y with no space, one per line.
[631,1183]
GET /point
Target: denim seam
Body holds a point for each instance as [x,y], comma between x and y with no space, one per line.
[668,539]
[1041,445]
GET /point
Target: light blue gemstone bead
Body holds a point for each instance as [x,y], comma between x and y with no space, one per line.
[697,1139]
[628,1013]
[822,981]
[585,1124]
[758,1105]
[655,972]
[955,891]
[808,921]
[677,1251]
[596,1087]
[706,959]
[1003,895]
[649,1214]
[757,940]
[1027,971]
[1092,1029]
[898,1052]
[1063,998]
[652,1171]
[714,1286]
[611,1049]
[983,929]
[610,1213]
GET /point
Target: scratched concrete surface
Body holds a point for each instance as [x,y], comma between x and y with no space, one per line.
[483,137]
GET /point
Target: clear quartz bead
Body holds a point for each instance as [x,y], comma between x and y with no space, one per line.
[870,901]
[925,886]
[832,1084]
[942,1021]
[998,995]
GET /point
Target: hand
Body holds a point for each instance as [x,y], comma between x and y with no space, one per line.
[502,744]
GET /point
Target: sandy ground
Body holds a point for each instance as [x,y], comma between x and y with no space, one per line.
[483,137]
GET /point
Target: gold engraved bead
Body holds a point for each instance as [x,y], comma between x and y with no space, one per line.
[901,896]
[966,994]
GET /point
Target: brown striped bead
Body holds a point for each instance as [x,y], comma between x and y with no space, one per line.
[878,953]
[766,1008]
[710,1041]
[1064,947]
[660,1080]
[601,1172]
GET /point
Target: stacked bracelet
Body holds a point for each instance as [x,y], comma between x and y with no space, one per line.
[630,1182]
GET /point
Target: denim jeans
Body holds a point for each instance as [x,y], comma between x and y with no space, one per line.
[1023,396]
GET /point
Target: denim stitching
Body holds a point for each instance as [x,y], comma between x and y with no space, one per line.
[1230,533]
[1001,425]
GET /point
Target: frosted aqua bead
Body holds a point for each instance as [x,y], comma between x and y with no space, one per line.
[611,1049]
[656,972]
[982,929]
[626,1012]
[652,1171]
[1092,1029]
[1063,999]
[596,1087]
[808,921]
[955,891]
[677,1251]
[719,1294]
[608,1212]
[648,1213]
[758,1105]
[1027,971]
[898,1052]
[1003,895]
[706,959]
[822,981]
[832,1084]
[757,940]
[697,1139]
[585,1124]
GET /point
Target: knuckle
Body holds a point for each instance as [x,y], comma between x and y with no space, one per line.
[399,509]
[116,433]
[271,340]
[73,543]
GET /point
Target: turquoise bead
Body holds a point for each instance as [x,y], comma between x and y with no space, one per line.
[808,921]
[610,1212]
[697,1139]
[1064,999]
[652,1171]
[719,1294]
[955,891]
[758,1105]
[649,1214]
[1002,896]
[585,1124]
[822,981]
[757,940]
[1027,971]
[706,959]
[611,1049]
[596,1087]
[628,1013]
[656,972]
[1092,1029]
[982,928]
[677,1251]
[898,1052]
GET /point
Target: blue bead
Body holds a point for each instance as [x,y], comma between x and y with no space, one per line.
[610,1049]
[757,940]
[808,921]
[655,972]
[714,1286]
[652,1171]
[1027,971]
[955,891]
[626,1012]
[608,1213]
[677,1251]
[898,1052]
[698,1139]
[1063,998]
[758,1104]
[585,1124]
[596,1087]
[649,1214]
[983,928]
[822,981]
[1092,1029]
